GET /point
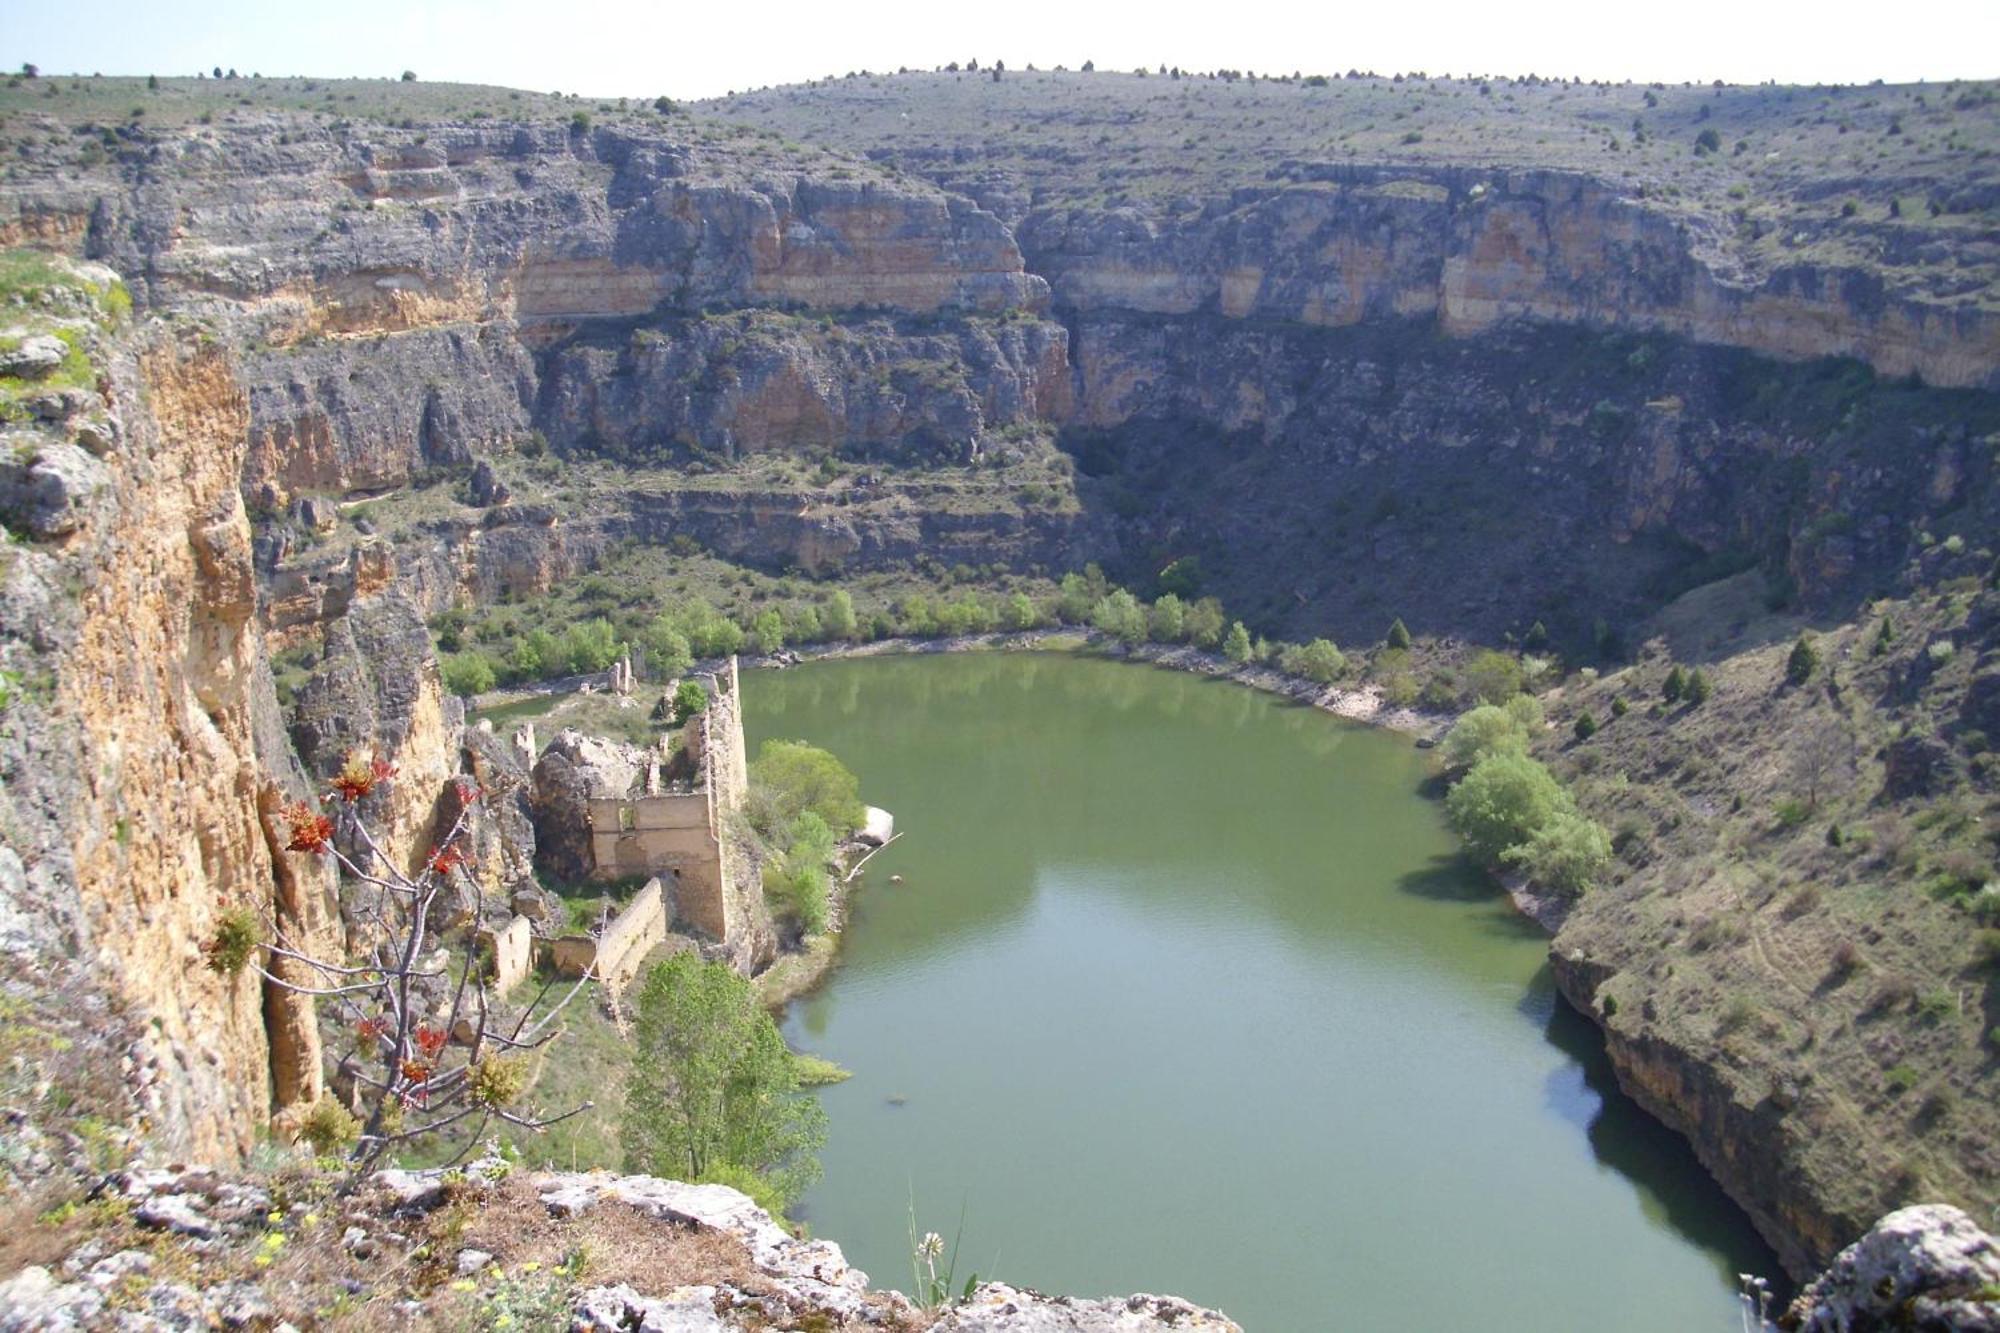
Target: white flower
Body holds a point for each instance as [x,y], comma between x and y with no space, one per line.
[931,1246]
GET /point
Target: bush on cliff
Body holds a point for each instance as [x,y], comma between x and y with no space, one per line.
[790,778]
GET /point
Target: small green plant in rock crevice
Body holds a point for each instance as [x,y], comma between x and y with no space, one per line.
[930,1289]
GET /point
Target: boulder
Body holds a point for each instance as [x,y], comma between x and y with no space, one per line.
[34,357]
[1928,1268]
[52,494]
[485,486]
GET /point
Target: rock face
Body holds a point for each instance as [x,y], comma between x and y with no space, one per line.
[1476,248]
[573,771]
[1928,1268]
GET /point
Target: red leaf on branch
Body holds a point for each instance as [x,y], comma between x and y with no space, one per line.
[310,830]
[372,1029]
[360,775]
[430,1040]
[447,859]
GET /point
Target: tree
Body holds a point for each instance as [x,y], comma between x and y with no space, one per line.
[839,621]
[1503,802]
[1804,660]
[1674,686]
[430,1052]
[30,70]
[1698,688]
[1399,635]
[795,880]
[1585,726]
[713,1086]
[1486,730]
[667,651]
[1317,661]
[409,76]
[690,697]
[792,777]
[767,632]
[1237,646]
[467,674]
[1205,623]
[1120,615]
[1568,853]
[1493,676]
[1074,600]
[152,83]
[1018,613]
[1169,619]
[664,105]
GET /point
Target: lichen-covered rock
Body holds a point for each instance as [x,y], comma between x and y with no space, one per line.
[53,492]
[1928,1268]
[34,357]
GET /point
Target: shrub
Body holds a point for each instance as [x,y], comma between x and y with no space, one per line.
[1169,619]
[591,645]
[1503,802]
[1674,686]
[1619,707]
[1568,853]
[1493,676]
[234,943]
[667,650]
[328,1128]
[1317,661]
[1481,733]
[790,778]
[1119,615]
[1399,634]
[1205,623]
[767,632]
[467,674]
[690,697]
[1803,661]
[1237,646]
[839,620]
[1585,726]
[1698,688]
[1899,1079]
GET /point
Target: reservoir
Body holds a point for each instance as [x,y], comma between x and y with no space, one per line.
[1186,989]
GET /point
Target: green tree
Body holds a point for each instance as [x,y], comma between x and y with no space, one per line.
[590,645]
[537,656]
[1698,688]
[667,651]
[1119,614]
[468,674]
[1503,802]
[690,698]
[1493,676]
[913,614]
[839,620]
[713,1089]
[1019,612]
[1074,601]
[1399,634]
[1674,686]
[1206,623]
[767,632]
[796,881]
[1318,661]
[1568,853]
[1237,647]
[1585,727]
[1169,619]
[802,624]
[789,778]
[1803,661]
[1486,730]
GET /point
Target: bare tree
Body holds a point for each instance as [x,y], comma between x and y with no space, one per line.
[1821,758]
[416,1073]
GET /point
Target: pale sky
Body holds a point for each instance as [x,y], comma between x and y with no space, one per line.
[627,47]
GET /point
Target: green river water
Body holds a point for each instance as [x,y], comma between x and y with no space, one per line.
[1185,989]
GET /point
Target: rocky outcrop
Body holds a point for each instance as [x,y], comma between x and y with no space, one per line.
[1475,248]
[1928,1268]
[139,768]
[755,1273]
[729,386]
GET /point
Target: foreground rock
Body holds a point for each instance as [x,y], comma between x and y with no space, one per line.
[584,1250]
[1927,1268]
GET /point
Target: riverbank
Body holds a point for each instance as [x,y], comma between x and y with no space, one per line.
[1358,704]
